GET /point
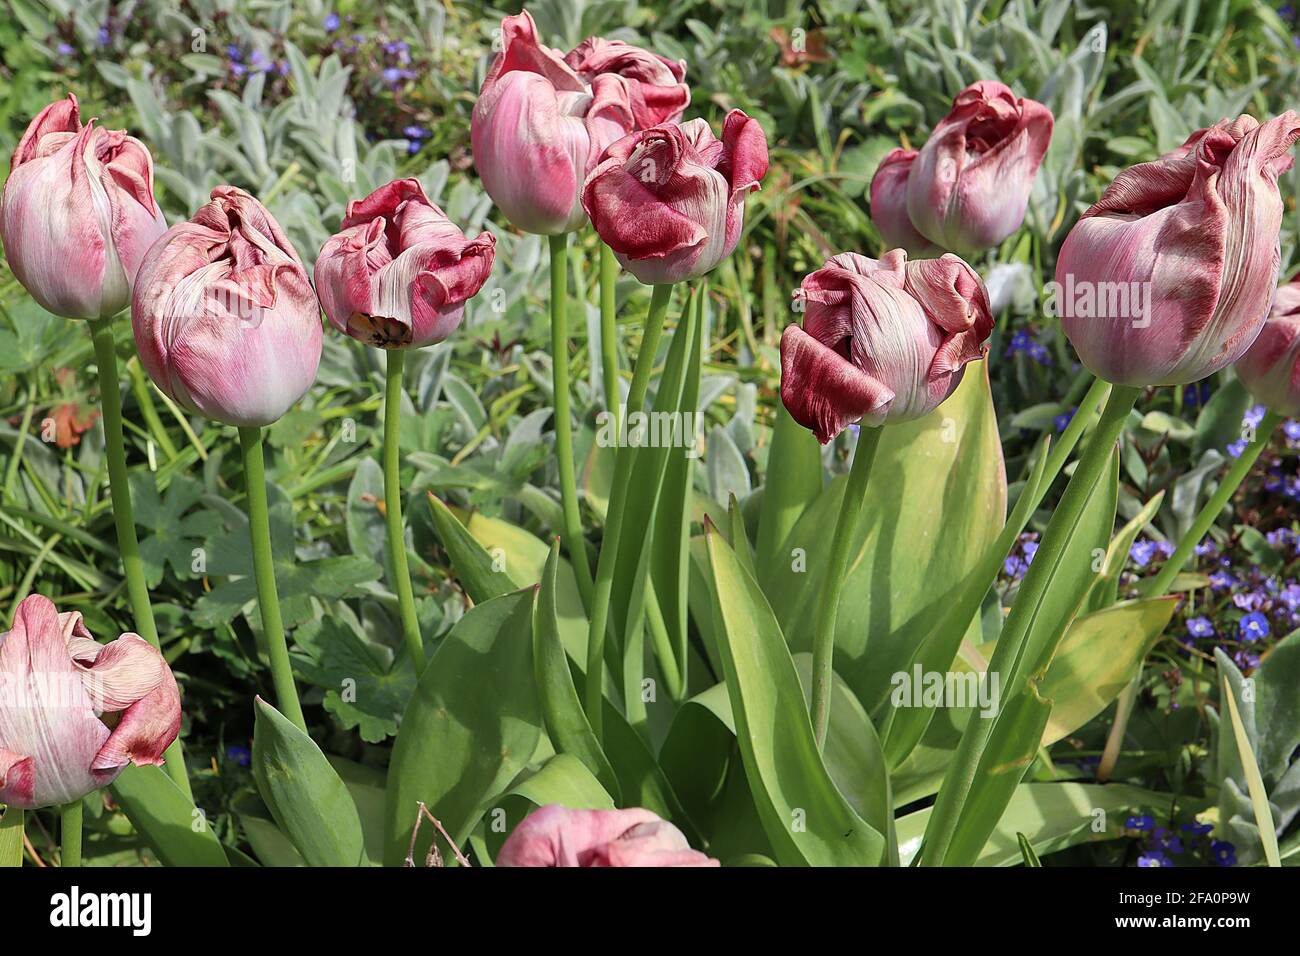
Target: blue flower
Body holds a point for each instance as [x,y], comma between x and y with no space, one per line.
[1194,395]
[1030,548]
[1168,841]
[1200,627]
[1154,858]
[234,53]
[1142,552]
[240,755]
[415,132]
[1144,822]
[65,49]
[1206,547]
[331,22]
[104,37]
[1062,421]
[1221,581]
[1014,566]
[1225,854]
[1245,660]
[1254,417]
[1198,829]
[1290,596]
[1253,626]
[413,145]
[1236,448]
[1291,430]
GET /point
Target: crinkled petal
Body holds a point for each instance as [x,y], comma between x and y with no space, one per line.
[825,392]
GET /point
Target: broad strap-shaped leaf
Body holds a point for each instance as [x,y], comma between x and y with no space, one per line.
[792,484]
[563,779]
[805,816]
[473,723]
[306,796]
[566,722]
[176,831]
[995,752]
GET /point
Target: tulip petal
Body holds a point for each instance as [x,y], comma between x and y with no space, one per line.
[825,392]
[119,673]
[17,779]
[146,728]
[61,116]
[555,836]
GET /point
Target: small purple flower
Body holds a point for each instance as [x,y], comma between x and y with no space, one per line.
[1206,547]
[1199,829]
[235,53]
[392,76]
[1221,581]
[1030,548]
[105,36]
[1142,552]
[1290,596]
[1225,854]
[1245,660]
[331,22]
[413,145]
[1154,858]
[1168,841]
[65,49]
[240,755]
[1144,822]
[415,132]
[1014,566]
[1200,627]
[1194,395]
[1291,429]
[1253,626]
[1236,449]
[1249,600]
[1254,417]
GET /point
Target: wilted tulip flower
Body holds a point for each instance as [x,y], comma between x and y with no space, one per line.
[225,320]
[889,205]
[398,272]
[1169,277]
[78,213]
[557,836]
[882,340]
[670,200]
[656,84]
[538,129]
[970,184]
[1270,369]
[73,712]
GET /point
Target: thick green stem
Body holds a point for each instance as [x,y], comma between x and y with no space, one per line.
[393,510]
[70,834]
[623,459]
[1170,570]
[574,541]
[828,603]
[268,599]
[1010,661]
[609,331]
[128,546]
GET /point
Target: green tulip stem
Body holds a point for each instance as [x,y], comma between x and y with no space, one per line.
[268,600]
[70,834]
[128,546]
[1170,570]
[393,509]
[846,527]
[573,538]
[1050,557]
[623,461]
[609,332]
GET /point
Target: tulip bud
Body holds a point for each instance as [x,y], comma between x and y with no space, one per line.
[225,320]
[538,129]
[398,272]
[554,836]
[882,340]
[970,184]
[656,84]
[1270,369]
[78,213]
[670,200]
[1169,277]
[889,205]
[75,712]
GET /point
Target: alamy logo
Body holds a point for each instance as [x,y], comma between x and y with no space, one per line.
[1099,300]
[651,430]
[938,689]
[131,910]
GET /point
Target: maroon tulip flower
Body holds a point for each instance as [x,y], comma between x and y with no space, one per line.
[670,200]
[1270,369]
[970,184]
[224,317]
[882,340]
[557,836]
[889,205]
[398,272]
[1169,277]
[656,84]
[78,213]
[73,712]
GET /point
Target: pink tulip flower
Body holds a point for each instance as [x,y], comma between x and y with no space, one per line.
[78,213]
[670,200]
[656,84]
[1270,369]
[224,317]
[538,129]
[557,836]
[1169,277]
[970,184]
[73,712]
[882,340]
[889,205]
[398,273]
